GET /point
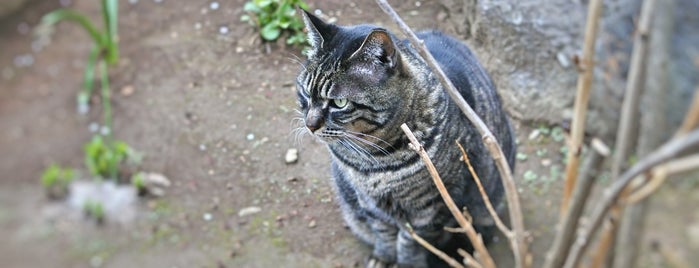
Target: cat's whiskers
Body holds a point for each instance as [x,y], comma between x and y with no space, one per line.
[370,136]
[367,142]
[351,145]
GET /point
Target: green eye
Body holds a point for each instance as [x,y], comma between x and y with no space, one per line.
[340,103]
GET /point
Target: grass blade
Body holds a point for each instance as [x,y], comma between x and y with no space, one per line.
[55,16]
[110,12]
[106,101]
[88,82]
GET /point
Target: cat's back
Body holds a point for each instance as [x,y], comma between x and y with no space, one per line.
[458,63]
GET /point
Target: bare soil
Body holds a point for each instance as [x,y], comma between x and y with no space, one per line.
[213,112]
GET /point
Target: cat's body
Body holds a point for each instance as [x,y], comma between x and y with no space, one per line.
[357,88]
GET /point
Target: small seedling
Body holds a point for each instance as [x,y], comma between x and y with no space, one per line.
[138,182]
[105,47]
[95,210]
[273,18]
[56,180]
[103,159]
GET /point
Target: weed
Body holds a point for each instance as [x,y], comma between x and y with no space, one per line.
[105,47]
[56,180]
[138,182]
[276,17]
[95,210]
[104,159]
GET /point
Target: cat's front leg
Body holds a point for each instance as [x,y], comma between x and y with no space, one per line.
[410,252]
[384,252]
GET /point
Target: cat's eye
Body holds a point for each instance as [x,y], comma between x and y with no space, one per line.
[340,103]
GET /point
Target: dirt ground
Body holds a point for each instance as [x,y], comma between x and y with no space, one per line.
[212,111]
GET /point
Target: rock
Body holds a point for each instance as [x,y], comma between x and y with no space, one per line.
[292,155]
[155,184]
[119,202]
[249,211]
[312,224]
[127,90]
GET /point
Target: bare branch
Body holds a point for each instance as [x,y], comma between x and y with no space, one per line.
[660,173]
[498,222]
[476,239]
[611,195]
[691,120]
[582,97]
[564,235]
[469,260]
[452,262]
[522,258]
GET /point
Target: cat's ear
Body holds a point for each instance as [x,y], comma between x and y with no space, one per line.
[378,45]
[318,31]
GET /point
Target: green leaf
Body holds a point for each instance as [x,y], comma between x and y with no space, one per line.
[110,12]
[245,17]
[263,3]
[270,32]
[251,7]
[67,14]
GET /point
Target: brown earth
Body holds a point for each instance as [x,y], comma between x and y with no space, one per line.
[213,113]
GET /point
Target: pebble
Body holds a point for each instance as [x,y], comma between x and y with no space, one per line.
[208,217]
[312,224]
[534,134]
[249,211]
[155,183]
[563,59]
[202,147]
[292,155]
[213,5]
[250,137]
[223,30]
[127,90]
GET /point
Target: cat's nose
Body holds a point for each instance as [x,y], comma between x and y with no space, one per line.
[313,126]
[313,121]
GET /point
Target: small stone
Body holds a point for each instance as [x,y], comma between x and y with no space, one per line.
[127,90]
[292,155]
[563,60]
[312,224]
[202,147]
[546,162]
[155,183]
[213,5]
[249,211]
[250,137]
[534,134]
[223,30]
[208,217]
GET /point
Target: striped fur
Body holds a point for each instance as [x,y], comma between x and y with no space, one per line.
[358,86]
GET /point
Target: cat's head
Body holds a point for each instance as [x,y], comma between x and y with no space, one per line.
[345,89]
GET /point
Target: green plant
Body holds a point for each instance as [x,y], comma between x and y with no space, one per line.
[138,182]
[275,17]
[105,49]
[95,210]
[56,180]
[103,159]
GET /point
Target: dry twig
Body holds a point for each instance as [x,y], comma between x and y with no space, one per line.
[566,230]
[582,97]
[475,238]
[469,260]
[691,120]
[431,248]
[611,195]
[498,222]
[522,258]
[660,173]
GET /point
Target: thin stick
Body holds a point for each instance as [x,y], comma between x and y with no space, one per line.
[606,241]
[611,195]
[660,173]
[452,262]
[582,97]
[566,231]
[476,239]
[498,222]
[522,258]
[469,260]
[691,120]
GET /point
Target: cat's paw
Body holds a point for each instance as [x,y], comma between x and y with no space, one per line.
[373,262]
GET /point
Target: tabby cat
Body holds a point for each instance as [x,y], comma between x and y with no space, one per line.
[359,84]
